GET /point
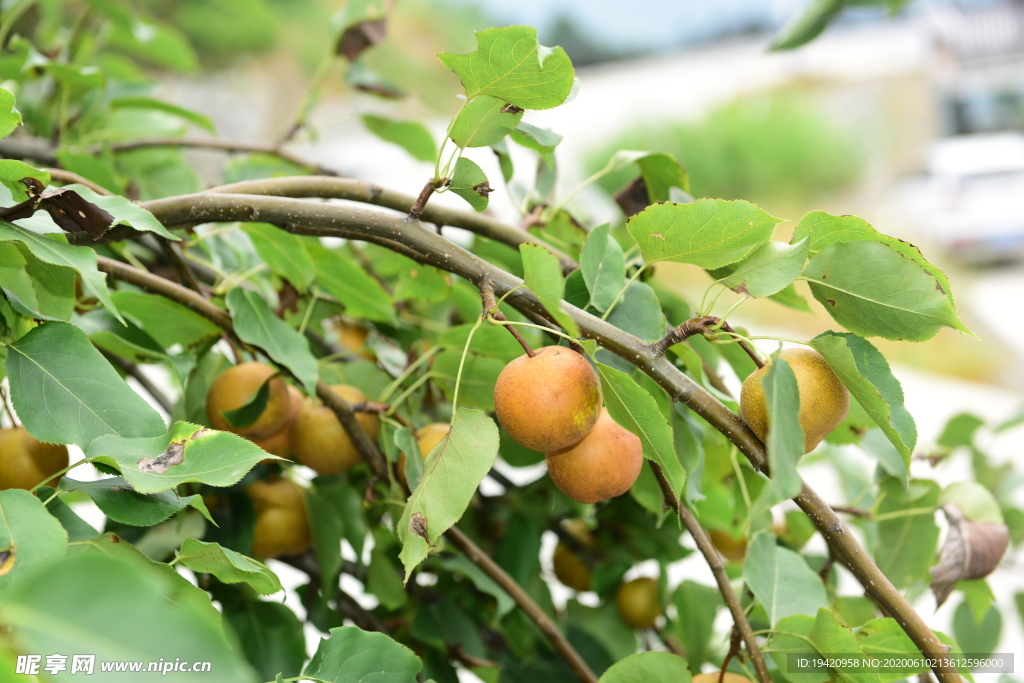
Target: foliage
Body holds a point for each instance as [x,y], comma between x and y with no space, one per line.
[95,286]
[775,147]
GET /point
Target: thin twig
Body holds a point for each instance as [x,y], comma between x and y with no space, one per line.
[491,309]
[714,561]
[682,332]
[416,210]
[856,512]
[69,178]
[185,274]
[746,347]
[7,408]
[532,610]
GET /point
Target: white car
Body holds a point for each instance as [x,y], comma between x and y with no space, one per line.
[972,201]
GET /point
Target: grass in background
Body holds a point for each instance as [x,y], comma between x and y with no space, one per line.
[774,148]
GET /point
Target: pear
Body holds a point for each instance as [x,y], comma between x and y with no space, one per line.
[26,461]
[550,401]
[282,527]
[278,443]
[824,401]
[235,386]
[638,602]
[604,463]
[570,568]
[733,549]
[318,440]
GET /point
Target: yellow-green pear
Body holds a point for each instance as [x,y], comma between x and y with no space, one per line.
[824,401]
[25,461]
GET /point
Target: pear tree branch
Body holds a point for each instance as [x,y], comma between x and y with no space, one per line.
[345,220]
[714,560]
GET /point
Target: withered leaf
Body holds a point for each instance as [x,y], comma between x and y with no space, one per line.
[633,198]
[972,551]
[361,36]
[73,213]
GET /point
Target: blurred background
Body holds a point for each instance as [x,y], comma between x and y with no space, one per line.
[912,119]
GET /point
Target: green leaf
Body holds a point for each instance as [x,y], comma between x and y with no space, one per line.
[78,529]
[639,312]
[271,636]
[66,392]
[785,443]
[978,597]
[54,286]
[362,296]
[905,547]
[482,581]
[327,528]
[792,636]
[469,182]
[660,172]
[250,411]
[510,65]
[228,566]
[451,475]
[256,324]
[543,276]
[807,24]
[645,667]
[857,282]
[30,539]
[710,233]
[781,580]
[478,377]
[351,655]
[501,151]
[56,251]
[405,441]
[631,406]
[603,265]
[68,608]
[284,253]
[12,172]
[150,103]
[124,212]
[15,278]
[125,340]
[832,638]
[981,638]
[187,453]
[768,270]
[974,500]
[420,282]
[865,372]
[166,321]
[116,499]
[540,140]
[382,578]
[10,117]
[412,136]
[483,121]
[158,43]
[696,607]
[885,637]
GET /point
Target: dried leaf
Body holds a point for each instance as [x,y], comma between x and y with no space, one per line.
[632,199]
[972,551]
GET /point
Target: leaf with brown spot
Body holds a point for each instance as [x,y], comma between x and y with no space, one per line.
[451,475]
[187,453]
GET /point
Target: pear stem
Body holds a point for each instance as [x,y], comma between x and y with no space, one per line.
[491,309]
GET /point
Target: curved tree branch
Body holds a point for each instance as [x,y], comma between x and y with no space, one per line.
[368,193]
[370,453]
[227,207]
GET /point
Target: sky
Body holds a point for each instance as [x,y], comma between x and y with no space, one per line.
[643,25]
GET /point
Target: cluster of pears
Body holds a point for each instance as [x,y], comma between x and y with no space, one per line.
[290,426]
[638,601]
[824,400]
[25,461]
[282,527]
[551,402]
